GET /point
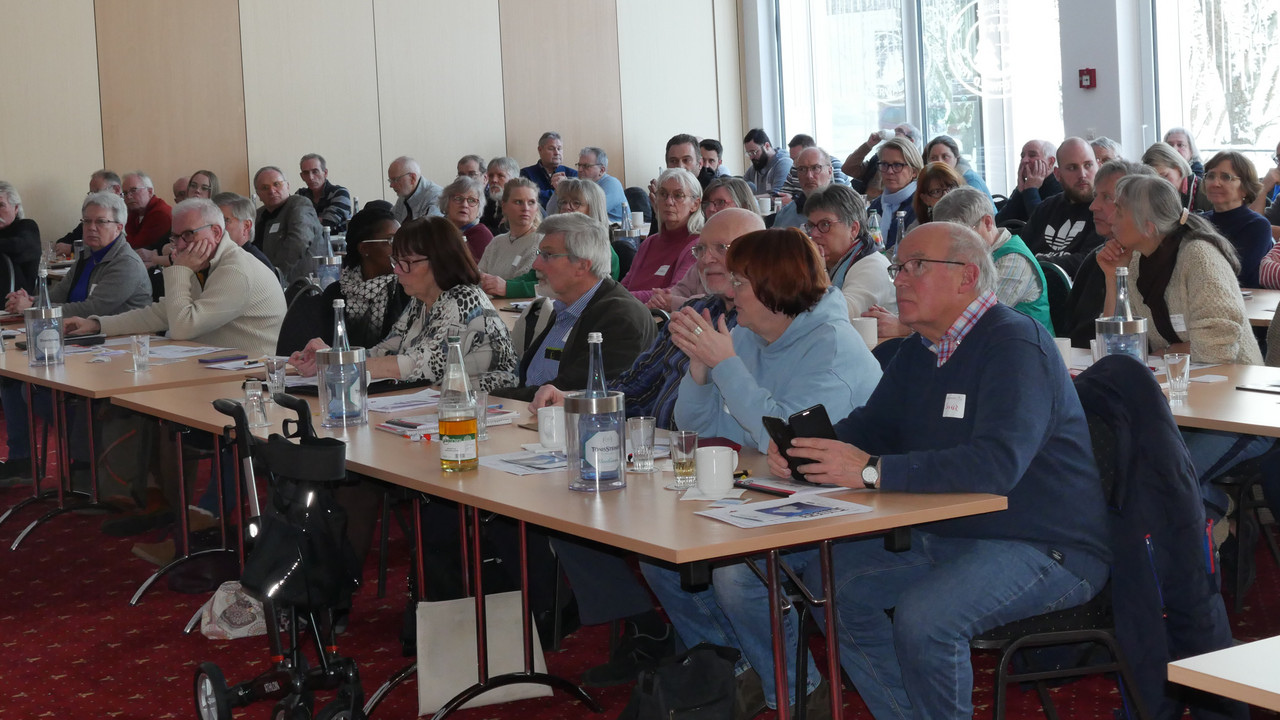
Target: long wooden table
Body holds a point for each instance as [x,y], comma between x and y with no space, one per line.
[1220,406]
[1260,306]
[644,517]
[1249,673]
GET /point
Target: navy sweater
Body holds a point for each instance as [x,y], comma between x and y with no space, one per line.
[1250,233]
[1020,432]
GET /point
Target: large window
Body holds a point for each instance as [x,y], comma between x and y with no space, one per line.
[949,67]
[1218,74]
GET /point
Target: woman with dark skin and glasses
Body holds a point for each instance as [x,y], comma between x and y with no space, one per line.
[367,284]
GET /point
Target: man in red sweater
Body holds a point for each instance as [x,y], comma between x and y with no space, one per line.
[149,216]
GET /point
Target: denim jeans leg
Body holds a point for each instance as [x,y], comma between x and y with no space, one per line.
[602,581]
[1213,452]
[744,599]
[696,616]
[15,419]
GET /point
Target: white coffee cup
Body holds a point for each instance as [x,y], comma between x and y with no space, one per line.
[637,219]
[715,470]
[766,204]
[551,427]
[867,328]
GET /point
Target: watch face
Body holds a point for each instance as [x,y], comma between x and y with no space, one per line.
[870,474]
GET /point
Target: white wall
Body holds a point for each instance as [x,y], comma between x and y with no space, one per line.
[1105,35]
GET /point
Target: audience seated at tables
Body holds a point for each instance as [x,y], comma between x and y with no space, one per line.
[202,184]
[935,181]
[1060,230]
[107,278]
[1088,287]
[499,171]
[1231,184]
[19,238]
[798,144]
[768,168]
[899,164]
[1036,181]
[1020,282]
[1105,150]
[793,348]
[1011,424]
[98,182]
[723,193]
[1172,166]
[511,255]
[1182,279]
[374,299]
[416,196]
[548,172]
[332,203]
[286,229]
[814,170]
[664,258]
[593,165]
[573,261]
[836,220]
[460,202]
[149,216]
[945,149]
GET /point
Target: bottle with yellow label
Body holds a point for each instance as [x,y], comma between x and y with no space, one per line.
[459,450]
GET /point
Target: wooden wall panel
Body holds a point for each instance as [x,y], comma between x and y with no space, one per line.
[560,72]
[668,79]
[172,90]
[439,83]
[310,85]
[52,131]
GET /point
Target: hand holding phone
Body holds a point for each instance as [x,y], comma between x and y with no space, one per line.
[811,422]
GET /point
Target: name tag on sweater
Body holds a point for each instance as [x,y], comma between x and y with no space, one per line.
[954,406]
[662,271]
[515,262]
[275,228]
[1179,323]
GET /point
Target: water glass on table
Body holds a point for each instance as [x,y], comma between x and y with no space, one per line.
[1178,367]
[481,398]
[275,374]
[640,434]
[140,346]
[684,443]
[254,407]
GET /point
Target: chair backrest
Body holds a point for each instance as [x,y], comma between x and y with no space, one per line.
[1058,286]
[662,317]
[305,319]
[626,253]
[7,268]
[296,287]
[638,199]
[999,201]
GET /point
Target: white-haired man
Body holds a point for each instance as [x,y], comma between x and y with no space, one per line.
[416,196]
[149,215]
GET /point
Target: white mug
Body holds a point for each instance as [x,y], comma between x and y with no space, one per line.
[551,427]
[715,469]
[868,328]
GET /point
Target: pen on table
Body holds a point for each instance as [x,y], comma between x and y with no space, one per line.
[495,407]
[741,475]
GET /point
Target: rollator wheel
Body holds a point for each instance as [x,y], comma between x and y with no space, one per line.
[213,700]
[335,713]
[291,708]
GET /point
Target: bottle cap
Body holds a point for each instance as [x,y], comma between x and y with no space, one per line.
[1122,270]
[595,337]
[458,339]
[339,303]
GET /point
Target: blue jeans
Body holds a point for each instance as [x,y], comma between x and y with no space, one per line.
[1213,452]
[734,612]
[19,429]
[945,591]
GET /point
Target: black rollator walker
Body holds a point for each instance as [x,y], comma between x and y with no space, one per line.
[300,567]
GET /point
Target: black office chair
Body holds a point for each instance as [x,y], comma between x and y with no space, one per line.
[1244,484]
[638,199]
[626,254]
[1058,285]
[7,281]
[999,201]
[305,319]
[296,287]
[662,317]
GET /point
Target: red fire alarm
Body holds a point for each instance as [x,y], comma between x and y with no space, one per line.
[1088,79]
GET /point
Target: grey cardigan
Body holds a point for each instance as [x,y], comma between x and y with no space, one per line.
[119,282]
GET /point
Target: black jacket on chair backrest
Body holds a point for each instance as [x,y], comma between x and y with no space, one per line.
[1164,575]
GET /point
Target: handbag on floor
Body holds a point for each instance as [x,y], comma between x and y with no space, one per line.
[696,685]
[231,613]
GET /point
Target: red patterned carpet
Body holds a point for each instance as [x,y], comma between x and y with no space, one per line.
[73,648]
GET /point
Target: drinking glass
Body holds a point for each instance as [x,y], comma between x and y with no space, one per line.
[640,433]
[275,375]
[140,346]
[254,406]
[684,443]
[1179,372]
[481,398]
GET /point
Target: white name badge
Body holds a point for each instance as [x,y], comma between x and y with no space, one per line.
[1179,323]
[954,406]
[515,262]
[662,271]
[274,228]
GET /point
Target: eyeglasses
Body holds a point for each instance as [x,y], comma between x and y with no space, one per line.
[378,240]
[938,192]
[915,266]
[822,226]
[100,222]
[405,265]
[188,235]
[718,205]
[803,169]
[397,178]
[200,188]
[464,200]
[583,167]
[1214,175]
[753,154]
[718,248]
[140,188]
[268,187]
[1275,159]
[679,197]
[571,205]
[539,252]
[892,167]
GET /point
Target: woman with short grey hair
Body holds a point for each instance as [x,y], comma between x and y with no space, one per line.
[836,222]
[664,258]
[462,201]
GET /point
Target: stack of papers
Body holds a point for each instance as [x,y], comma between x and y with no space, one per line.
[783,511]
[178,352]
[412,401]
[526,463]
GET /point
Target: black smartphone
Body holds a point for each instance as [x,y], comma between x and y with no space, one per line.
[86,340]
[810,422]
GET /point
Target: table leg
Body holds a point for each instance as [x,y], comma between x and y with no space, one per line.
[832,634]
[781,686]
[37,462]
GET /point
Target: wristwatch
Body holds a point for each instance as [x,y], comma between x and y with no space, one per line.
[871,472]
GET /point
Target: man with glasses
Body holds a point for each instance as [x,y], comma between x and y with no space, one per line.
[573,265]
[799,144]
[471,166]
[149,216]
[287,229]
[593,165]
[769,168]
[108,278]
[813,168]
[238,213]
[332,203]
[978,400]
[548,172]
[98,182]
[416,196]
[1061,227]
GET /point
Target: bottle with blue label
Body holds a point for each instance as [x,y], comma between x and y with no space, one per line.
[343,380]
[44,325]
[599,442]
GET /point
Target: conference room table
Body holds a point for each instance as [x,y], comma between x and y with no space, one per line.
[1221,406]
[644,517]
[80,376]
[1260,306]
[1249,672]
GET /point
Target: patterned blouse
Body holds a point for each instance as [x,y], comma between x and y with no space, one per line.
[420,339]
[366,299]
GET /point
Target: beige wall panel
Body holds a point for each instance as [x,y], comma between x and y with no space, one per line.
[439,83]
[729,84]
[560,72]
[666,88]
[52,138]
[172,90]
[310,85]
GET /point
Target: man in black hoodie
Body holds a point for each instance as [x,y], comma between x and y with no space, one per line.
[1061,228]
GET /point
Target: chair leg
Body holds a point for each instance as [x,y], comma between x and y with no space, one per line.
[384,534]
[1046,701]
[1271,540]
[802,667]
[1000,695]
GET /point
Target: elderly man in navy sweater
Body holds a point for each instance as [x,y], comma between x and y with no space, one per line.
[978,400]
